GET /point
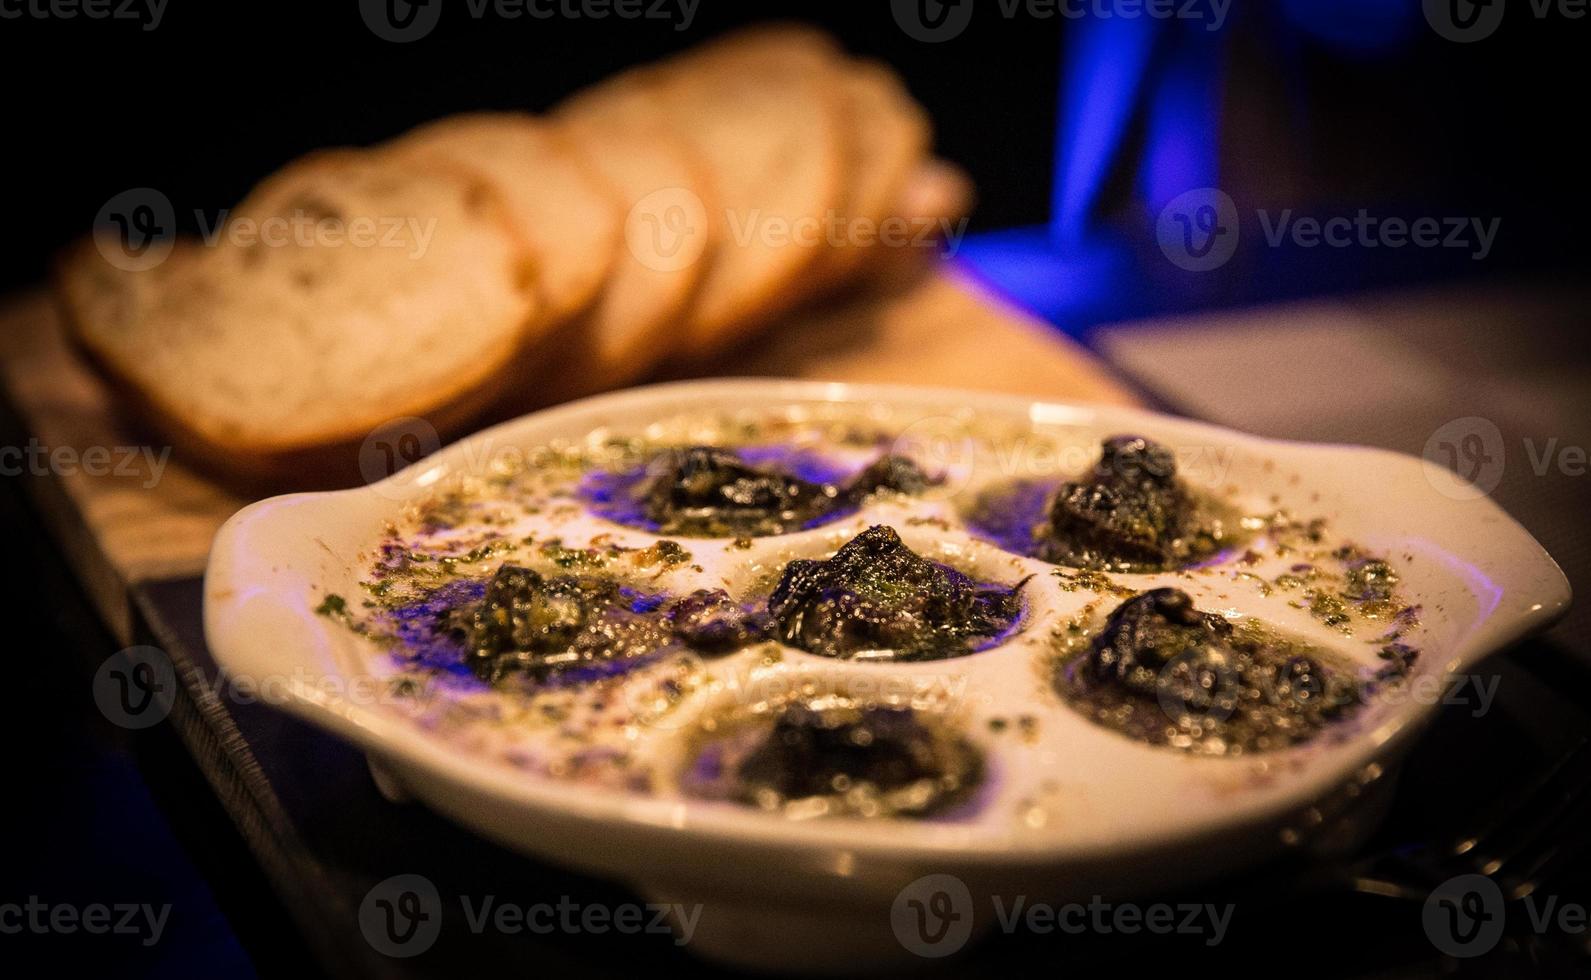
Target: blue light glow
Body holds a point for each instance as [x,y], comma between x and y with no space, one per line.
[1102,70]
[1182,144]
[1363,27]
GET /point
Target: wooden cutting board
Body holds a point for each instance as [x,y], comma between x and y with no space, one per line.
[123,516]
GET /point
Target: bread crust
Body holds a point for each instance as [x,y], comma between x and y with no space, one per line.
[717,94]
[330,457]
[503,147]
[892,136]
[640,318]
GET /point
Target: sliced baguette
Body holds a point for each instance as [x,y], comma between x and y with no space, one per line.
[570,217]
[891,138]
[89,289]
[764,111]
[931,208]
[668,234]
[274,353]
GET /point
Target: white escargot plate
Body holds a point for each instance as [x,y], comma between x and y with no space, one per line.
[1068,808]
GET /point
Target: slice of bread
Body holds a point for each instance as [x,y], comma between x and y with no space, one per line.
[347,290]
[92,290]
[891,138]
[569,216]
[668,234]
[764,111]
[929,216]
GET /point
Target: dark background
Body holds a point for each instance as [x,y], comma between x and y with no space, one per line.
[1326,105]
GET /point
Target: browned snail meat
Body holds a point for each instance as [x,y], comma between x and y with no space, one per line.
[888,472]
[878,597]
[710,490]
[1130,514]
[1146,634]
[878,758]
[1165,672]
[528,623]
[713,491]
[709,621]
